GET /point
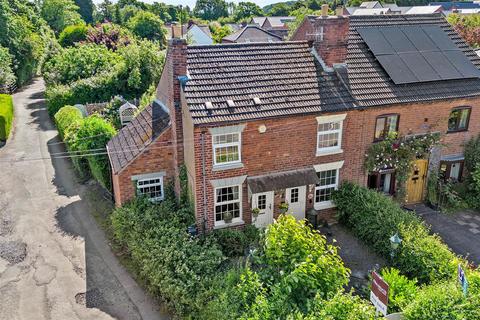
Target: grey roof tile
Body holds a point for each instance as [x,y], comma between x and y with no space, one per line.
[132,139]
[284,75]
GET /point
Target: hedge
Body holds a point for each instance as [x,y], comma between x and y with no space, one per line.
[6,116]
[374,218]
[173,265]
[66,118]
[91,137]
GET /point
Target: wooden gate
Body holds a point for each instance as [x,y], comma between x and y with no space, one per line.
[416,181]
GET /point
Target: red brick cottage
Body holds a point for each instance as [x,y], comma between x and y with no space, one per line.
[260,124]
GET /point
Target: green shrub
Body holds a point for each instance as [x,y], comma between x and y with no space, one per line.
[343,306]
[67,117]
[439,301]
[424,256]
[80,62]
[374,218]
[472,153]
[174,266]
[235,242]
[73,34]
[7,77]
[91,138]
[401,289]
[6,115]
[299,257]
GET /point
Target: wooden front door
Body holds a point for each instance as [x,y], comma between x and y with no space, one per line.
[416,181]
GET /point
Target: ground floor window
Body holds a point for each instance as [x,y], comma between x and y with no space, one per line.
[227,204]
[382,182]
[152,188]
[324,189]
[452,170]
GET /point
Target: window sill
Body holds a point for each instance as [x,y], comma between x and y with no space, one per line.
[457,131]
[324,205]
[328,152]
[222,225]
[228,166]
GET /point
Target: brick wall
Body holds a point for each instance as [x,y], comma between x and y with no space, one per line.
[290,143]
[156,158]
[329,36]
[169,92]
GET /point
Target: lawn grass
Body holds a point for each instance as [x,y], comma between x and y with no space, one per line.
[6,116]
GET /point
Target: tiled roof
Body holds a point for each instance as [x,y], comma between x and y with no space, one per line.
[284,75]
[252,33]
[132,139]
[370,84]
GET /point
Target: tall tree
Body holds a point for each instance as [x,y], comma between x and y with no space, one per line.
[246,10]
[148,26]
[210,9]
[60,14]
[280,9]
[85,9]
[106,11]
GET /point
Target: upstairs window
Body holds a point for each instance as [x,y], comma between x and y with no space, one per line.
[385,126]
[459,119]
[329,134]
[226,148]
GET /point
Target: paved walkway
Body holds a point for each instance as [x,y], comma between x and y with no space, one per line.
[55,262]
[358,257]
[460,231]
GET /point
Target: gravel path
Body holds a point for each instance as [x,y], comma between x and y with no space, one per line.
[55,262]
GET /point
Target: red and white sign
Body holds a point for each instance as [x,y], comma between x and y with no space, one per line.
[379,293]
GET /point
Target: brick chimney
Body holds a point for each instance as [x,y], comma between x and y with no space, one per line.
[169,93]
[331,38]
[328,34]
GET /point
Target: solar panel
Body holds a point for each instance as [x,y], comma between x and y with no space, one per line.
[397,70]
[419,66]
[412,54]
[375,40]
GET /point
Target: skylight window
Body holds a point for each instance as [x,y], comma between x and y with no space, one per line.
[208,105]
[257,101]
[230,103]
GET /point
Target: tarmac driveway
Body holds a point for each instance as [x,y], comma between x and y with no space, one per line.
[460,231]
[55,262]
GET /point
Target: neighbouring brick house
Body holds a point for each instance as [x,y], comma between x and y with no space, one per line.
[259,124]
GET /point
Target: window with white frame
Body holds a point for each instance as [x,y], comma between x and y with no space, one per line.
[226,148]
[152,188]
[329,134]
[227,199]
[328,175]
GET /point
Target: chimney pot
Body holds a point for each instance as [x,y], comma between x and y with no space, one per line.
[176,31]
[324,10]
[339,11]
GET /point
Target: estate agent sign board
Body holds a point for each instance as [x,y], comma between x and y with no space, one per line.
[379,293]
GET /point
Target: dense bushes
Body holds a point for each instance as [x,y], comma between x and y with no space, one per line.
[174,266]
[26,36]
[374,218]
[292,273]
[6,116]
[73,34]
[7,77]
[66,118]
[401,290]
[75,63]
[91,138]
[128,72]
[86,139]
[443,300]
